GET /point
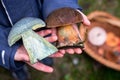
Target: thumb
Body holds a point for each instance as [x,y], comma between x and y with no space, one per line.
[85,19]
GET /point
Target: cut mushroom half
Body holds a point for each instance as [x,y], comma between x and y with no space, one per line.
[37,47]
[66,20]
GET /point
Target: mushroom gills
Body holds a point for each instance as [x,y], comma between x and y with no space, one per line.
[37,47]
[69,36]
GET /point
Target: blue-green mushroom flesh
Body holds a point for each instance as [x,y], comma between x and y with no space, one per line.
[37,47]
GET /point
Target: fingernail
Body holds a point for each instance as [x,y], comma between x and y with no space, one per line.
[62,51]
[88,23]
[49,31]
[55,37]
[50,69]
[80,52]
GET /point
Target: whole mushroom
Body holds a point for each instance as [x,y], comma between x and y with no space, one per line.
[66,20]
[36,46]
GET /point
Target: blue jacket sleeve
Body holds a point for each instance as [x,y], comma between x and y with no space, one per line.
[7,53]
[51,5]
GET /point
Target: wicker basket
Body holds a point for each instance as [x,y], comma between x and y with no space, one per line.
[110,24]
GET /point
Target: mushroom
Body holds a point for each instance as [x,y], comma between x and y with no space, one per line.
[36,46]
[66,20]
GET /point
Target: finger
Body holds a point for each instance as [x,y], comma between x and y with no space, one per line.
[85,19]
[62,51]
[78,50]
[44,32]
[51,38]
[41,67]
[54,32]
[57,54]
[21,54]
[70,51]
[26,58]
[21,57]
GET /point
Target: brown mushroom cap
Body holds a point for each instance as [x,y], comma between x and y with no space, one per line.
[63,16]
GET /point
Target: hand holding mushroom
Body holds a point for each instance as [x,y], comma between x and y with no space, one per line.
[65,20]
[22,55]
[37,47]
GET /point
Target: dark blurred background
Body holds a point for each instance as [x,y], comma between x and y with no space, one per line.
[78,67]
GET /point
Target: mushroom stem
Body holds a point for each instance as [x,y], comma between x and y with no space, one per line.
[36,46]
[69,36]
[75,27]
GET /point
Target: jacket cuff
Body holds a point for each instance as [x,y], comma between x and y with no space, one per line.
[15,65]
[49,6]
[47,61]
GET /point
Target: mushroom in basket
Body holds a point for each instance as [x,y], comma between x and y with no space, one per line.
[66,20]
[36,46]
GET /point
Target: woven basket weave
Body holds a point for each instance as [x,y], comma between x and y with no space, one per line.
[110,24]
